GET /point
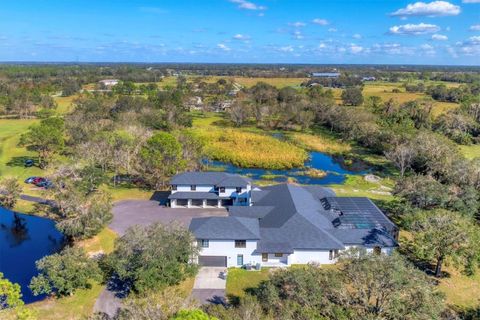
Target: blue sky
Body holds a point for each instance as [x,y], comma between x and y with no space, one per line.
[246,31]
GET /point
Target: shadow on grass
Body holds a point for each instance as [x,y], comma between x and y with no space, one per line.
[161,197]
[406,249]
[20,161]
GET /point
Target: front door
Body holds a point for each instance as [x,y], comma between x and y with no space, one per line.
[265,257]
[239,259]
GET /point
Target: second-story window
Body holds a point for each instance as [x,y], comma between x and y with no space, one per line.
[193,187]
[240,243]
[239,190]
[174,187]
[222,189]
[203,243]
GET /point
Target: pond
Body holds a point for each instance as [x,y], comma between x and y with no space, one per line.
[334,167]
[25,239]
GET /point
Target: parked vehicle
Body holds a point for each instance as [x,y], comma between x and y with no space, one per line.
[38,180]
[29,163]
[30,179]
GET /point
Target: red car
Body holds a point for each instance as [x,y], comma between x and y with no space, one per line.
[38,180]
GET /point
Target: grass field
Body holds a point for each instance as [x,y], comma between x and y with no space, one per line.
[319,142]
[357,186]
[64,104]
[12,156]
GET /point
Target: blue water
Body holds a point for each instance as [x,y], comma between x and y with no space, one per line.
[336,171]
[25,239]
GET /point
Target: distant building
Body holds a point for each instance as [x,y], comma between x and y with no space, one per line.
[369,79]
[109,82]
[325,74]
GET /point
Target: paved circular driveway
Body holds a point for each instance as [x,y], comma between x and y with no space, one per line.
[145,212]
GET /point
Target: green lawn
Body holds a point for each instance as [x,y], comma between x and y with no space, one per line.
[238,280]
[11,155]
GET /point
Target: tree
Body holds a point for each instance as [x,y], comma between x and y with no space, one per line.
[153,257]
[366,286]
[65,272]
[352,96]
[87,217]
[158,305]
[401,156]
[10,294]
[10,191]
[46,138]
[160,158]
[423,192]
[439,235]
[238,112]
[388,287]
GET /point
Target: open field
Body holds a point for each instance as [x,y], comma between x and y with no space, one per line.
[11,155]
[64,104]
[319,142]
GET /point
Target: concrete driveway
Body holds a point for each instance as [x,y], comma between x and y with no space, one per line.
[209,287]
[145,212]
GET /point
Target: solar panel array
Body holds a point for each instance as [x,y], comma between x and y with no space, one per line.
[357,213]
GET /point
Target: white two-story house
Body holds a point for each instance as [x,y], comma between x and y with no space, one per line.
[209,190]
[289,224]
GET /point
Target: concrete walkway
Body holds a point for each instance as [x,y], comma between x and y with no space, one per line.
[209,287]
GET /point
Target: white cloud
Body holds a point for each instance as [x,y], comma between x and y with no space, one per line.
[474,40]
[297,24]
[223,47]
[243,4]
[355,49]
[321,22]
[392,49]
[471,1]
[357,36]
[428,49]
[414,29]
[297,35]
[286,49]
[432,9]
[241,37]
[475,27]
[332,30]
[439,37]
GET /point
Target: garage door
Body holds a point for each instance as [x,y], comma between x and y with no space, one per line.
[197,202]
[212,203]
[212,261]
[182,202]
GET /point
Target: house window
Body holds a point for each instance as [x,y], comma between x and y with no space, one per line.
[193,187]
[239,190]
[203,243]
[278,255]
[264,257]
[222,189]
[240,243]
[332,254]
[174,187]
[239,259]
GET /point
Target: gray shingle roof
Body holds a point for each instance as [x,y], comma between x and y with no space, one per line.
[193,195]
[293,217]
[225,228]
[220,179]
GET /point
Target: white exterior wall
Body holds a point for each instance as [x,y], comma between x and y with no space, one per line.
[227,248]
[309,256]
[385,250]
